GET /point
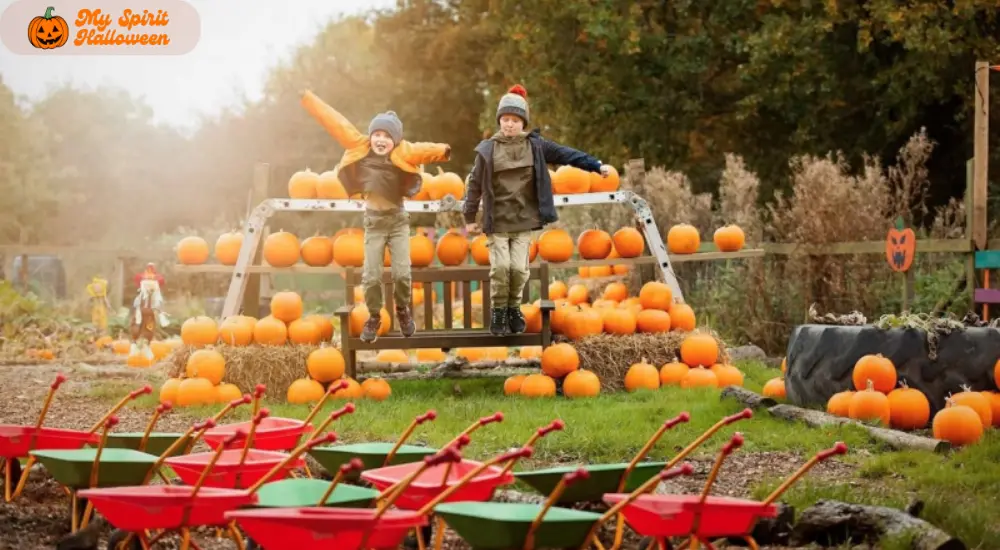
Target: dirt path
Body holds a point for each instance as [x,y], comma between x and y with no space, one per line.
[41,516]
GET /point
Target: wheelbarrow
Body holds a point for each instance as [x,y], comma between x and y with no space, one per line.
[516,526]
[623,477]
[17,442]
[702,517]
[376,455]
[148,441]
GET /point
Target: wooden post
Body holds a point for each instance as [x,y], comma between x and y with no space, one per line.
[970,259]
[259,192]
[981,154]
[120,281]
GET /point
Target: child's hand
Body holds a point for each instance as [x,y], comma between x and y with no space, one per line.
[605,170]
[472,228]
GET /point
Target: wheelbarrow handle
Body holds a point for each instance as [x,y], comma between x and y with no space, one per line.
[164,407]
[553,426]
[245,400]
[346,409]
[734,443]
[685,469]
[328,437]
[429,415]
[838,449]
[354,465]
[683,417]
[340,385]
[141,391]
[261,415]
[231,439]
[111,422]
[451,454]
[60,378]
[460,442]
[259,390]
[745,413]
[572,477]
[523,452]
[203,425]
[495,417]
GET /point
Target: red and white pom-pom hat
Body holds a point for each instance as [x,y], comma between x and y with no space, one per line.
[514,102]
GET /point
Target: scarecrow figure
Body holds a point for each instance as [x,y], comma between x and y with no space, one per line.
[98,290]
[146,314]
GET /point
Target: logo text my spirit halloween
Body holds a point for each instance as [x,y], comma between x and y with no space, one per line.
[93,28]
[100,27]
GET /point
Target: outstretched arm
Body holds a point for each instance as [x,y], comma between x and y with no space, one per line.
[427,153]
[473,191]
[560,154]
[335,123]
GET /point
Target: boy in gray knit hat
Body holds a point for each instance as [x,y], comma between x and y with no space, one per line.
[385,168]
[511,177]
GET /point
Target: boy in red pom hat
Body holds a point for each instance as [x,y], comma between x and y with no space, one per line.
[511,177]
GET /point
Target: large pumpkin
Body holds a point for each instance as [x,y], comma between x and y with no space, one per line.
[452,248]
[909,408]
[317,251]
[447,183]
[480,252]
[281,249]
[349,250]
[555,245]
[227,247]
[199,331]
[558,360]
[581,383]
[699,349]
[594,244]
[729,238]
[569,180]
[206,363]
[192,251]
[656,295]
[875,368]
[303,184]
[682,238]
[628,243]
[421,250]
[286,306]
[605,185]
[301,331]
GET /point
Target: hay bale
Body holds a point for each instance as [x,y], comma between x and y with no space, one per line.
[246,366]
[596,285]
[610,356]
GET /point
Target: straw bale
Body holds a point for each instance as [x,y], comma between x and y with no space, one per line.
[246,366]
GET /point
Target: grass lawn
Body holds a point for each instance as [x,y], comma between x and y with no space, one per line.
[960,490]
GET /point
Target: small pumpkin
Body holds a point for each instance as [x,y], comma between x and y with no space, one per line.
[628,243]
[421,250]
[699,349]
[558,360]
[555,245]
[199,331]
[431,355]
[512,385]
[578,294]
[570,180]
[270,331]
[558,290]
[652,321]
[192,251]
[729,238]
[304,390]
[623,321]
[303,184]
[286,306]
[581,383]
[957,424]
[876,368]
[195,391]
[392,356]
[642,376]
[538,385]
[349,250]
[376,389]
[975,401]
[324,324]
[226,393]
[452,248]
[303,332]
[728,375]
[582,323]
[317,251]
[234,331]
[683,238]
[870,404]
[656,295]
[839,404]
[909,408]
[672,373]
[530,352]
[48,31]
[325,364]
[480,252]
[168,391]
[607,184]
[281,249]
[774,388]
[594,244]
[227,247]
[699,377]
[616,291]
[206,363]
[447,183]
[682,318]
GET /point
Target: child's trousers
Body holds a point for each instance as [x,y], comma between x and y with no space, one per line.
[508,267]
[381,230]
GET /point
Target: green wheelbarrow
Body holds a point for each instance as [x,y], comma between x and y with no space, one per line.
[148,441]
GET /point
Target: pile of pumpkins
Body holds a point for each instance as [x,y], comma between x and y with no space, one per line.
[306,184]
[285,324]
[559,362]
[325,366]
[122,346]
[615,312]
[202,382]
[698,367]
[876,397]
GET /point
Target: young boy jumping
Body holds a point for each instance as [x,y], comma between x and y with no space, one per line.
[385,168]
[511,177]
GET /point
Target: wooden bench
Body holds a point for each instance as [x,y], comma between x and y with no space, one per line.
[986,260]
[450,336]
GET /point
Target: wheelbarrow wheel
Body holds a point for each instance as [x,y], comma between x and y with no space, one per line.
[427,532]
[118,536]
[649,543]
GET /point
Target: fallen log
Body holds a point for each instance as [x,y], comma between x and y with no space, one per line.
[748,398]
[455,374]
[831,523]
[453,363]
[896,439]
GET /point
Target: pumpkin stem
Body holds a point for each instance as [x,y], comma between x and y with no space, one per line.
[966,388]
[903,384]
[870,386]
[899,223]
[48,12]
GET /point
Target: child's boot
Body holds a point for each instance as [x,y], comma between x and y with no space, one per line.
[406,324]
[498,324]
[370,331]
[515,320]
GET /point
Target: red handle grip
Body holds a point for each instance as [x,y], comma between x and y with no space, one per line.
[340,385]
[164,407]
[838,448]
[450,454]
[346,409]
[553,426]
[429,415]
[328,437]
[523,452]
[111,422]
[573,477]
[734,443]
[495,417]
[60,378]
[685,469]
[354,465]
[143,390]
[462,441]
[259,390]
[246,399]
[261,415]
[232,439]
[683,417]
[206,425]
[745,413]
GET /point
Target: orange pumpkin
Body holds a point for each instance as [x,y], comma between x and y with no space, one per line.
[774,388]
[480,252]
[957,424]
[628,243]
[530,352]
[569,180]
[302,184]
[598,271]
[682,318]
[557,290]
[447,183]
[975,401]
[578,294]
[304,390]
[555,245]
[430,355]
[301,331]
[538,385]
[426,183]
[656,295]
[376,389]
[594,244]
[192,251]
[605,185]
[582,323]
[281,249]
[349,250]
[994,399]
[642,376]
[839,404]
[452,248]
[615,291]
[316,251]
[206,363]
[328,187]
[683,238]
[699,378]
[324,325]
[876,368]
[199,331]
[195,391]
[870,404]
[729,238]
[652,321]
[512,385]
[168,391]
[581,383]
[270,331]
[325,364]
[558,360]
[621,321]
[359,316]
[996,373]
[286,306]
[532,317]
[352,391]
[909,408]
[699,349]
[236,332]
[227,247]
[728,375]
[672,373]
[421,250]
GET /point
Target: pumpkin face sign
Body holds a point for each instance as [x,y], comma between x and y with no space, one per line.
[899,247]
[48,31]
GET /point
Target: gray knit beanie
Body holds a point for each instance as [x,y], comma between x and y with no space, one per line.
[389,123]
[514,102]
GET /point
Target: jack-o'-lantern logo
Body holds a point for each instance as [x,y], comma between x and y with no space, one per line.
[48,31]
[900,244]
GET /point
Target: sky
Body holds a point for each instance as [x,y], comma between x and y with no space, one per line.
[240,41]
